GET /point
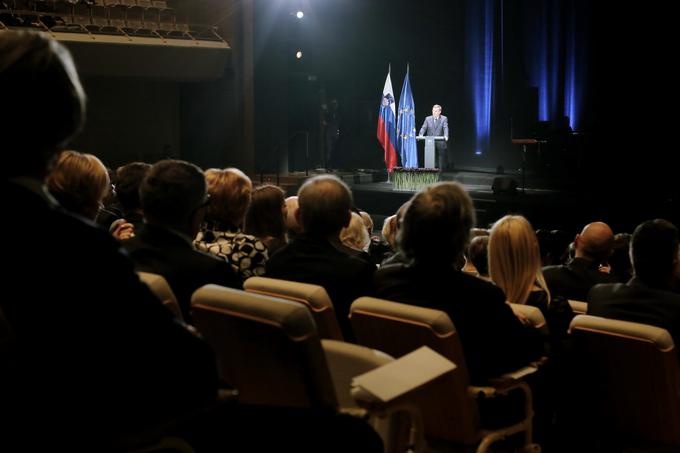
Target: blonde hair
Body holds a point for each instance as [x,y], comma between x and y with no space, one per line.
[368,221]
[515,259]
[80,182]
[355,234]
[389,230]
[230,191]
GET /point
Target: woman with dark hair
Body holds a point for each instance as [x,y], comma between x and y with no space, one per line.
[265,218]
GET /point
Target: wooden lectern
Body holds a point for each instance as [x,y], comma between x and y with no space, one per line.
[429,149]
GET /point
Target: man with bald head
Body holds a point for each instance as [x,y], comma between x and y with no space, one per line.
[574,279]
[316,255]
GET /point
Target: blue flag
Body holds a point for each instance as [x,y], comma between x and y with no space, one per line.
[406,126]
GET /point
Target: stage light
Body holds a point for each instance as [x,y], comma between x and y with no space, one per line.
[298,54]
[299,14]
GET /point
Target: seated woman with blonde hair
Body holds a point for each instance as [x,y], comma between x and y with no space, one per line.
[515,267]
[355,236]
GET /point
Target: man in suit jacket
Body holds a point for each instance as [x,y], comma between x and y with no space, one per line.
[437,125]
[652,296]
[574,279]
[316,255]
[494,340]
[174,199]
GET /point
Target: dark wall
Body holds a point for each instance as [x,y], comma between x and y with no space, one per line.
[130,119]
[153,102]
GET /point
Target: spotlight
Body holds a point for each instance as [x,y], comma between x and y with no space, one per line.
[299,14]
[298,54]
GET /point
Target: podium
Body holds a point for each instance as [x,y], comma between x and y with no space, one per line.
[429,148]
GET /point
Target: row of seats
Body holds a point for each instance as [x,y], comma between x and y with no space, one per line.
[283,325]
[145,18]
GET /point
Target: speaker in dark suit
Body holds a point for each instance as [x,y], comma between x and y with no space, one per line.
[437,125]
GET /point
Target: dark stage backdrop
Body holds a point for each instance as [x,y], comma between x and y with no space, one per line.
[529,63]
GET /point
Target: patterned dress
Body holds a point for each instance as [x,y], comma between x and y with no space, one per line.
[246,254]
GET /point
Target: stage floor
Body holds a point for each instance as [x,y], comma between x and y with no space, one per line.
[547,201]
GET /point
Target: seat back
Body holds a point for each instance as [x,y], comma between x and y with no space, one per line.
[313,297]
[633,376]
[160,287]
[267,348]
[398,329]
[579,307]
[532,314]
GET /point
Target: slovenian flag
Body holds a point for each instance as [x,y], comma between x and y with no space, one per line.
[387,125]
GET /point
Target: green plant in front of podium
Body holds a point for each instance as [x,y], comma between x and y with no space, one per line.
[414,178]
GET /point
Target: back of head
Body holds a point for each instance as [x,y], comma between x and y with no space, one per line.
[36,73]
[171,192]
[355,235]
[436,224]
[478,253]
[619,260]
[368,221]
[79,182]
[265,214]
[389,230]
[654,252]
[514,258]
[595,242]
[230,190]
[291,207]
[325,203]
[128,179]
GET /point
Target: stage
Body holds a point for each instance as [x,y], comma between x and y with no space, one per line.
[547,202]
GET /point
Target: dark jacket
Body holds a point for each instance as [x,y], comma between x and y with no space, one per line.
[162,251]
[92,355]
[494,340]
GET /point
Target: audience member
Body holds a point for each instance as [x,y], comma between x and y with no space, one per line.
[129,177]
[93,357]
[478,255]
[515,267]
[266,216]
[434,230]
[174,199]
[355,236]
[390,232]
[292,226]
[79,182]
[652,296]
[316,255]
[592,247]
[619,261]
[222,234]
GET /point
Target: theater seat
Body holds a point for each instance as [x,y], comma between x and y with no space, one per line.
[631,377]
[450,417]
[314,297]
[160,287]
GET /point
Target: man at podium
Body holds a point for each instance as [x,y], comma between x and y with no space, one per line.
[437,125]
